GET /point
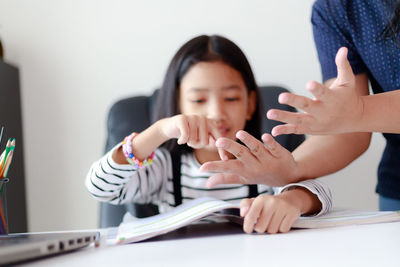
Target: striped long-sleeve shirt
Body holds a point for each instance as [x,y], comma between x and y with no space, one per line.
[115,183]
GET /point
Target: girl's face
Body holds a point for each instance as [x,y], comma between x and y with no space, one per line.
[217,91]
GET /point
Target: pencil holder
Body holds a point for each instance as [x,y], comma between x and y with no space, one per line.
[3,207]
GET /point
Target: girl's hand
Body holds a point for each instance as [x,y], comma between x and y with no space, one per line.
[333,110]
[267,213]
[255,163]
[194,130]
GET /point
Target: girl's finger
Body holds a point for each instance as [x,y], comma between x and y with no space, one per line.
[213,129]
[183,127]
[219,166]
[193,132]
[203,132]
[215,134]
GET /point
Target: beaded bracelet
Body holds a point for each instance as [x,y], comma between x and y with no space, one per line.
[130,157]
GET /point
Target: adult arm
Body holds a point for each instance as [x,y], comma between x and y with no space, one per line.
[338,108]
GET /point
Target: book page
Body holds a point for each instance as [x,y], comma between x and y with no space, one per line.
[347,217]
[162,223]
[197,209]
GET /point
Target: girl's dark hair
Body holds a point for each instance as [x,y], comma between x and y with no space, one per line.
[1,51]
[392,28]
[204,49]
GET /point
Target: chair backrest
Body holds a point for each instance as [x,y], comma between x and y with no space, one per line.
[134,115]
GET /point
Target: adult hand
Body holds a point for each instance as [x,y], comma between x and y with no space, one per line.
[255,163]
[333,110]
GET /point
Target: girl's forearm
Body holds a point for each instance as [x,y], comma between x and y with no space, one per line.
[143,144]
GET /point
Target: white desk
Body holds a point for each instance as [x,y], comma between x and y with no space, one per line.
[364,245]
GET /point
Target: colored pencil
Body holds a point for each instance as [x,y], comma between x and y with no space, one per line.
[1,134]
[3,222]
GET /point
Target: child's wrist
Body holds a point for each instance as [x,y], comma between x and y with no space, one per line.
[127,149]
[159,130]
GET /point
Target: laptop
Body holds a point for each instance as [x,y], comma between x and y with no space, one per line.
[26,246]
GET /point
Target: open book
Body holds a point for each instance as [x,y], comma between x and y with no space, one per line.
[207,207]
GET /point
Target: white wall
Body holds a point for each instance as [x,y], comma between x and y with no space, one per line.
[78,57]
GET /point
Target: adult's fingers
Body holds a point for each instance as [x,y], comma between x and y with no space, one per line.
[296,101]
[256,147]
[289,117]
[286,129]
[319,91]
[344,71]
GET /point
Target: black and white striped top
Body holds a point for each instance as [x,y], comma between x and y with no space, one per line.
[115,183]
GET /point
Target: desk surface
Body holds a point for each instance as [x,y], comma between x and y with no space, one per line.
[227,245]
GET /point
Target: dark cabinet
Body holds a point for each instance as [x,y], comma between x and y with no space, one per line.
[11,118]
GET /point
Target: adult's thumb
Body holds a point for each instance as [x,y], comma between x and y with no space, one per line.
[344,71]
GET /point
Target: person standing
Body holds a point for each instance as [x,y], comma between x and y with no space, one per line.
[341,115]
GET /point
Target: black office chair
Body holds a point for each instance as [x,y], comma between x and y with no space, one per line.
[134,114]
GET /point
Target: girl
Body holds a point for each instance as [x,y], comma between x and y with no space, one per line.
[209,92]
